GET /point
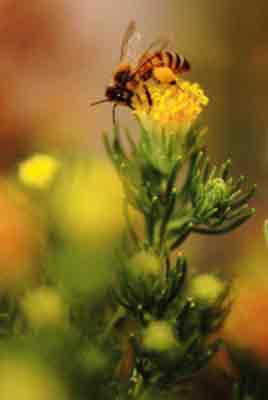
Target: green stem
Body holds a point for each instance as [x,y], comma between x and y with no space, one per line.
[130,228]
[150,225]
[119,314]
[139,387]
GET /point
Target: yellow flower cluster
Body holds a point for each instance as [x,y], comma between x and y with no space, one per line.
[172,105]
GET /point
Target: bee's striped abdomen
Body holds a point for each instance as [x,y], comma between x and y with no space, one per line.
[181,64]
[176,62]
[169,59]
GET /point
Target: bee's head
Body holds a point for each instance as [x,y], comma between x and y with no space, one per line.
[118,94]
[122,75]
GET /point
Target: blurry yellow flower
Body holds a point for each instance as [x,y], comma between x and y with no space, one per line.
[172,105]
[43,307]
[38,171]
[27,381]
[159,337]
[88,201]
[206,288]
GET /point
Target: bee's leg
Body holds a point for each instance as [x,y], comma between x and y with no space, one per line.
[179,86]
[114,114]
[138,98]
[178,83]
[148,95]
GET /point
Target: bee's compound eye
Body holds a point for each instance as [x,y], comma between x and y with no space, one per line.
[114,93]
[110,92]
[120,96]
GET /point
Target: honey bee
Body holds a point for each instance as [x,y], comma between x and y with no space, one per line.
[131,75]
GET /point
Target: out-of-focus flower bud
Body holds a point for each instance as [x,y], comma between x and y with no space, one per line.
[27,381]
[93,360]
[145,264]
[159,337]
[43,307]
[88,202]
[206,288]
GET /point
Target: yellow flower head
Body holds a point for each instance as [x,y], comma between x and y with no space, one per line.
[38,171]
[172,104]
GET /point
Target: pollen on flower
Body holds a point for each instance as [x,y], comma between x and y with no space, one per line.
[172,104]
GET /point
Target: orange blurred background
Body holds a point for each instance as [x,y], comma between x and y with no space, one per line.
[58,55]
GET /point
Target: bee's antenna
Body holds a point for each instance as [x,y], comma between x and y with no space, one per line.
[99,102]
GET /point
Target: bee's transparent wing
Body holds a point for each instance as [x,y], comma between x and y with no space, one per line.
[130,45]
[160,44]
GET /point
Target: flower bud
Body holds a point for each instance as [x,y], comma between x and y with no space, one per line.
[146,264]
[216,192]
[88,202]
[206,288]
[26,380]
[43,307]
[159,337]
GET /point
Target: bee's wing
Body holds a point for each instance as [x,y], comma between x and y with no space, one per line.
[130,44]
[157,45]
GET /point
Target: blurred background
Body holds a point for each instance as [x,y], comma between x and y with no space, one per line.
[57,56]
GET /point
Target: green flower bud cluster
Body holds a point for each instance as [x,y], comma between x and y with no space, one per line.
[216,193]
[218,202]
[147,286]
